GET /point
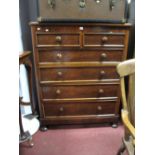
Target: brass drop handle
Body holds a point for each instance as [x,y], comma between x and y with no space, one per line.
[58,92]
[82,3]
[99,108]
[59,55]
[104,39]
[112,4]
[59,74]
[101,91]
[58,39]
[102,73]
[61,109]
[103,55]
[51,3]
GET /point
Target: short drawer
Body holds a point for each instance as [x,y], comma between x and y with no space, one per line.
[80,56]
[56,29]
[103,40]
[73,109]
[79,91]
[79,73]
[54,40]
[104,29]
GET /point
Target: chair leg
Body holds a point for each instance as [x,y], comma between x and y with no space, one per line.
[121,149]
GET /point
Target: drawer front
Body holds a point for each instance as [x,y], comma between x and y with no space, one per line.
[61,74]
[73,109]
[58,40]
[80,56]
[104,29]
[56,29]
[79,91]
[101,40]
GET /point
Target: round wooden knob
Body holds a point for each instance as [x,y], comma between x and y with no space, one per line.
[103,55]
[102,73]
[59,73]
[46,30]
[38,28]
[104,39]
[61,109]
[58,39]
[59,55]
[58,92]
[101,91]
[99,108]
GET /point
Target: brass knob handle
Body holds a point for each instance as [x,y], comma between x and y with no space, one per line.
[101,91]
[102,73]
[58,92]
[58,39]
[59,73]
[103,56]
[104,39]
[61,109]
[99,108]
[59,55]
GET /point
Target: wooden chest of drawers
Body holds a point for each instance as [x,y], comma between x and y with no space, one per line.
[75,71]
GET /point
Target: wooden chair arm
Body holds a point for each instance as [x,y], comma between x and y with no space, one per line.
[127,123]
[24,54]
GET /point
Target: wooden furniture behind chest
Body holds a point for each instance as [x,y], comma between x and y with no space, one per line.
[75,69]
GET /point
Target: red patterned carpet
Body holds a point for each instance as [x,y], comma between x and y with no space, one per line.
[79,141]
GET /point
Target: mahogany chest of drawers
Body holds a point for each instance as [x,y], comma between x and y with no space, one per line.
[75,71]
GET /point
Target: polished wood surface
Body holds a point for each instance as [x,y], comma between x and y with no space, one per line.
[75,71]
[82,108]
[80,91]
[81,73]
[73,55]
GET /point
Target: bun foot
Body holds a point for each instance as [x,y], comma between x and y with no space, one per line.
[114,125]
[43,128]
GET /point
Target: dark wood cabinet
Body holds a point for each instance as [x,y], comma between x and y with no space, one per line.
[75,71]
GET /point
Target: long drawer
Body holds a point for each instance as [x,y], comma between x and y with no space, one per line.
[78,73]
[82,108]
[79,91]
[80,55]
